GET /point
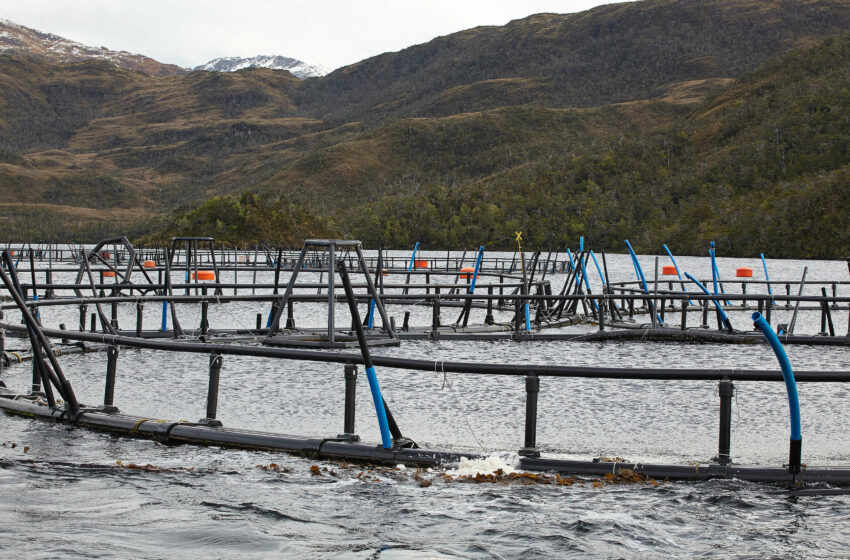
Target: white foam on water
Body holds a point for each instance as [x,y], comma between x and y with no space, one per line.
[488,465]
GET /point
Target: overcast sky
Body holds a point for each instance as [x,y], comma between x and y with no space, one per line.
[331,33]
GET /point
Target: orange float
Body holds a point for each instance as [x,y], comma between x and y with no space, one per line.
[466,272]
[149,264]
[669,270]
[204,275]
[744,272]
[420,264]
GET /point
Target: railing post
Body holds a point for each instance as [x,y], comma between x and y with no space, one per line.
[205,324]
[726,390]
[111,367]
[826,315]
[290,314]
[532,388]
[140,308]
[36,373]
[83,311]
[114,317]
[212,391]
[488,319]
[350,400]
[435,311]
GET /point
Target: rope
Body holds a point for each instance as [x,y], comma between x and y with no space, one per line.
[447,383]
[239,323]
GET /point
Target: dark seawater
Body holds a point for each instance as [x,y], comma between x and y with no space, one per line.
[64,494]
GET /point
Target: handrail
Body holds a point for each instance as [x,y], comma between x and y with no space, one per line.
[649,374]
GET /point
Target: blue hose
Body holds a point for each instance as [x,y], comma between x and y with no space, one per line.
[787,373]
[587,282]
[723,316]
[713,267]
[639,272]
[794,463]
[164,315]
[383,424]
[599,270]
[715,272]
[638,269]
[676,266]
[413,256]
[477,268]
[766,277]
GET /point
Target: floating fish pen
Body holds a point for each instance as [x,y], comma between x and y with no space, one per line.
[521,302]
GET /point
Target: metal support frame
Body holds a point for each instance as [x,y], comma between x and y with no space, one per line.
[331,246]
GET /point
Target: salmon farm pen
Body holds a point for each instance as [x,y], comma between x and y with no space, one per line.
[333,303]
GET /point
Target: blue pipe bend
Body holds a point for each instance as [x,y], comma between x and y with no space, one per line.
[383,424]
[787,374]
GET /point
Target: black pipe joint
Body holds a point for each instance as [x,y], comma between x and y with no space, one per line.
[794,456]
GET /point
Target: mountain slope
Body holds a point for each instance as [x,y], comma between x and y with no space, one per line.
[612,53]
[298,68]
[434,158]
[22,41]
[761,167]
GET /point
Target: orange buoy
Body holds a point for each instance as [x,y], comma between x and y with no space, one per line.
[109,274]
[669,270]
[744,272]
[384,272]
[420,264]
[204,275]
[149,264]
[466,272]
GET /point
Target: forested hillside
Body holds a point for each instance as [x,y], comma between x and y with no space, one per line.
[658,121]
[761,166]
[612,53]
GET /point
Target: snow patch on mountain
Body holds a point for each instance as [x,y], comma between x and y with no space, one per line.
[19,40]
[298,68]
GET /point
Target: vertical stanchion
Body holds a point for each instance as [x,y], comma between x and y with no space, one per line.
[532,389]
[290,314]
[827,314]
[212,391]
[205,324]
[726,390]
[435,311]
[111,367]
[488,319]
[350,401]
[140,308]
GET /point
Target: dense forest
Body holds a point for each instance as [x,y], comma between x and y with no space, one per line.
[672,121]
